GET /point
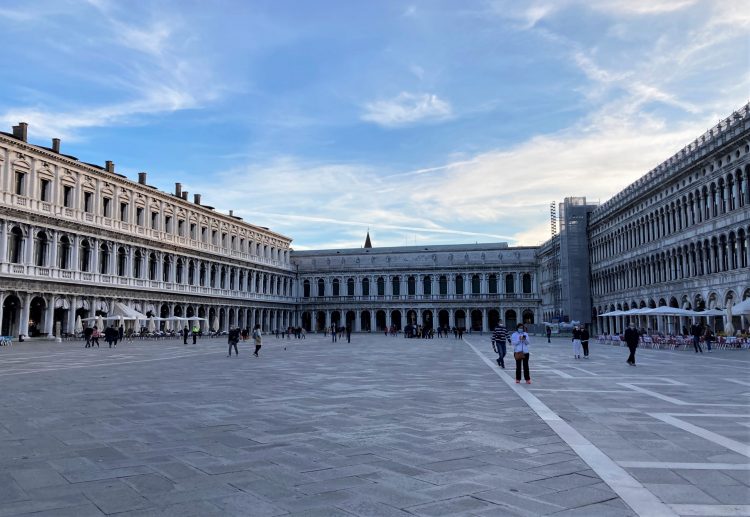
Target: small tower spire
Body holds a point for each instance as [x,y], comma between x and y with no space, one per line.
[368,243]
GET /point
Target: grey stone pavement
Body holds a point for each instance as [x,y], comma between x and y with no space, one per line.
[381,426]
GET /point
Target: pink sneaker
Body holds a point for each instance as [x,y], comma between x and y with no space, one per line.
[528,382]
[518,382]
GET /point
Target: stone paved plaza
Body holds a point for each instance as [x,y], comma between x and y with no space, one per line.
[381,426]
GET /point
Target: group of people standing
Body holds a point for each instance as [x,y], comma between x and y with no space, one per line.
[111,336]
[520,342]
[236,334]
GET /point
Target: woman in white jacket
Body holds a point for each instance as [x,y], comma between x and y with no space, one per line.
[520,341]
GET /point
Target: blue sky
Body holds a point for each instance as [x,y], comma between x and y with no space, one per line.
[427,121]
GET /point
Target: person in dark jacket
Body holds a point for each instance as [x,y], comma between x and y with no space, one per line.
[499,338]
[233,339]
[549,334]
[185,334]
[110,336]
[87,333]
[631,339]
[697,331]
[576,342]
[585,341]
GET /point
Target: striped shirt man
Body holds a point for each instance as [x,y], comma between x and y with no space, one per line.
[499,339]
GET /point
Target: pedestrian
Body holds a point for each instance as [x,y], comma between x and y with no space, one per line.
[303,333]
[499,338]
[631,339]
[257,338]
[87,333]
[349,334]
[549,334]
[585,341]
[120,334]
[95,335]
[520,341]
[196,331]
[576,342]
[185,334]
[696,331]
[334,333]
[233,339]
[708,336]
[109,335]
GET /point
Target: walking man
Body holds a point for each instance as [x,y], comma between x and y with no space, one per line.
[233,339]
[257,339]
[334,332]
[585,341]
[697,331]
[576,342]
[499,338]
[196,330]
[549,334]
[185,334]
[631,339]
[349,334]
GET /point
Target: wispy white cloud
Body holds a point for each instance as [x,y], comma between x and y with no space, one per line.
[407,108]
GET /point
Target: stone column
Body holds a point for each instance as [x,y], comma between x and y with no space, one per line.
[485,321]
[451,318]
[23,327]
[357,321]
[3,242]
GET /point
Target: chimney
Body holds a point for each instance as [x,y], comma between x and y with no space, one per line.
[142,178]
[56,145]
[184,195]
[21,131]
[110,166]
[197,199]
[231,213]
[178,189]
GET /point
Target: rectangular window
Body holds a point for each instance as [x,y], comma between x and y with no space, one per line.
[68,197]
[107,207]
[154,220]
[181,228]
[139,216]
[123,211]
[168,224]
[20,183]
[204,234]
[44,190]
[193,231]
[88,201]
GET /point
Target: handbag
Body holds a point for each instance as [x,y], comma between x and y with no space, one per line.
[518,355]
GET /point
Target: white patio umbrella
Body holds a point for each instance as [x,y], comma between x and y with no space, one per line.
[742,308]
[216,323]
[151,324]
[100,323]
[120,322]
[78,328]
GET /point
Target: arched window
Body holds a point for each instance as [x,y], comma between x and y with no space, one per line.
[396,286]
[411,286]
[212,279]
[476,284]
[336,287]
[202,275]
[350,287]
[85,262]
[42,245]
[152,266]
[510,284]
[104,259]
[122,261]
[306,289]
[191,272]
[526,283]
[166,268]
[443,285]
[427,285]
[15,248]
[493,284]
[321,287]
[231,279]
[138,264]
[365,287]
[381,286]
[63,254]
[179,271]
[223,278]
[459,284]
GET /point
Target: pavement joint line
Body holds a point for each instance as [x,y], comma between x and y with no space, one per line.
[737,381]
[683,466]
[712,510]
[632,492]
[585,371]
[674,400]
[732,445]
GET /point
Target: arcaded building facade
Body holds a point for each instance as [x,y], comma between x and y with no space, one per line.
[369,289]
[77,237]
[678,236]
